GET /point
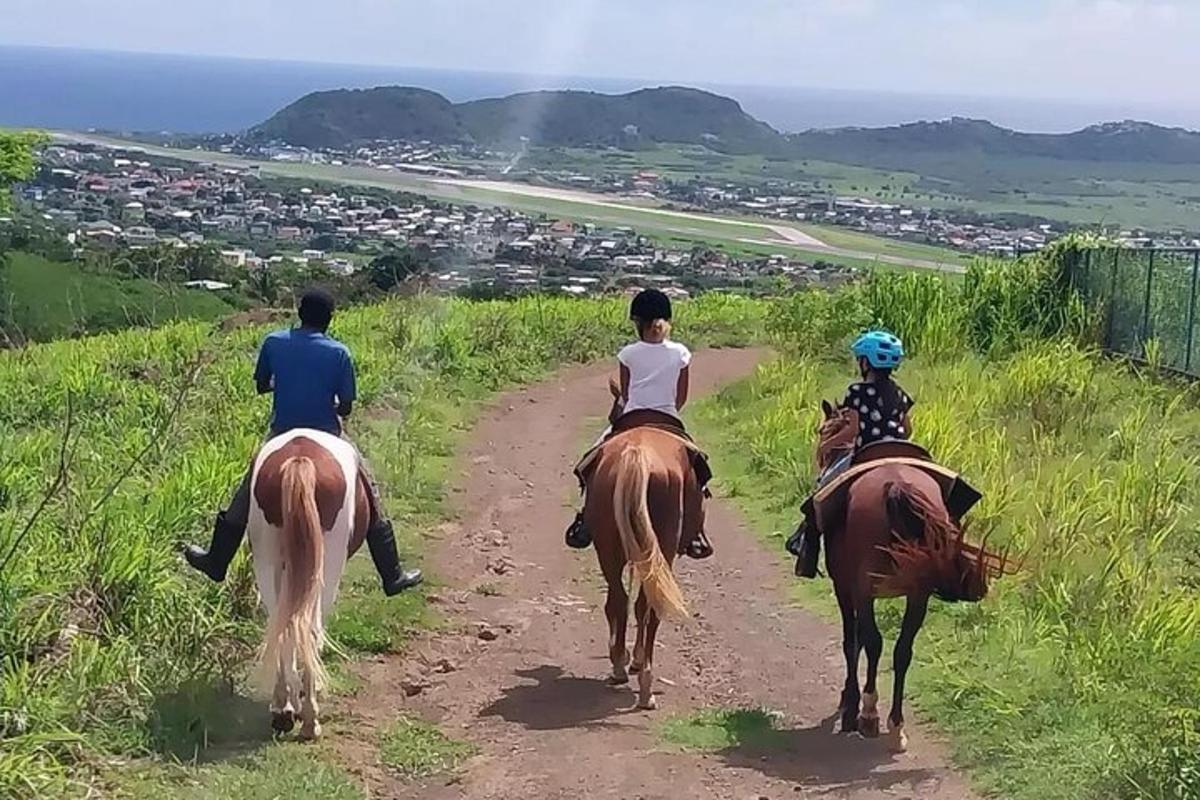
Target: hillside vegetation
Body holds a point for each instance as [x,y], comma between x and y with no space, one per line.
[109,646]
[42,300]
[1080,677]
[668,114]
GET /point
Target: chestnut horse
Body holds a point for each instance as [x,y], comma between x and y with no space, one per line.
[634,508]
[308,515]
[893,537]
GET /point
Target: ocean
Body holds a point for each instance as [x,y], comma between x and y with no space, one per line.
[83,89]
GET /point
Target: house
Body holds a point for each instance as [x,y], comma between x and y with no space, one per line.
[140,236]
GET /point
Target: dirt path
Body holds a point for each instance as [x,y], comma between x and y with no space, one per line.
[534,698]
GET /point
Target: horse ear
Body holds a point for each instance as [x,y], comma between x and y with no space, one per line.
[827,409]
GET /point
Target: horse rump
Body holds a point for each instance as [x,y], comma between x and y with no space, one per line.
[930,553]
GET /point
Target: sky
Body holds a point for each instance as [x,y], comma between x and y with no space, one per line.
[1080,50]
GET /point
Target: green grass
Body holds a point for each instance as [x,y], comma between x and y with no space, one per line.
[417,749]
[715,729]
[292,771]
[45,300]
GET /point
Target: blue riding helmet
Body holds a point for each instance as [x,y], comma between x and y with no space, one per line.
[881,349]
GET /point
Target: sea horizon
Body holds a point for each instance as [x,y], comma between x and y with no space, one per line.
[73,89]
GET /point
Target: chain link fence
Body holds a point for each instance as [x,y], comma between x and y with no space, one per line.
[1144,295]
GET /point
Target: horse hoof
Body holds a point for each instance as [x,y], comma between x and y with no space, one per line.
[850,723]
[648,705]
[618,680]
[634,669]
[868,726]
[283,721]
[898,740]
[310,732]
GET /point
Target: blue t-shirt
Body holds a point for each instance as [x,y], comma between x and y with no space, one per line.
[311,374]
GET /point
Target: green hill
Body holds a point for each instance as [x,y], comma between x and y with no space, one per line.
[42,300]
[901,146]
[668,114]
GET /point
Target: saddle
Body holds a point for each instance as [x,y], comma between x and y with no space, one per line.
[647,418]
[959,496]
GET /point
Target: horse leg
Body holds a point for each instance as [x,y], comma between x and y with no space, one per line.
[616,608]
[639,643]
[850,694]
[872,642]
[914,618]
[310,726]
[648,622]
[268,575]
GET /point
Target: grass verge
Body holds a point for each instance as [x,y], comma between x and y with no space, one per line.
[417,749]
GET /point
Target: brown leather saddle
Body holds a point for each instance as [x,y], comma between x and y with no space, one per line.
[647,418]
[960,497]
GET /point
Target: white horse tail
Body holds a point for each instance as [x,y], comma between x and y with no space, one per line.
[302,557]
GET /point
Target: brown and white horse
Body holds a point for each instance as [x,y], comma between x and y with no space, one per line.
[635,510]
[309,513]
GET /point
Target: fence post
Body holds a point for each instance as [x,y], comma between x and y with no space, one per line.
[1146,301]
[1191,323]
[1112,298]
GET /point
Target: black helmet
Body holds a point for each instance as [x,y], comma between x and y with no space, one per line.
[650,304]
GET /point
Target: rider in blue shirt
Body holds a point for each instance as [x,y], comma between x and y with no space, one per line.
[311,379]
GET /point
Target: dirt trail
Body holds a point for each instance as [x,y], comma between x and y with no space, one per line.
[534,698]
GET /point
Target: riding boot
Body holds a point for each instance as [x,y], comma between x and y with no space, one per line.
[381,541]
[578,536]
[226,539]
[810,551]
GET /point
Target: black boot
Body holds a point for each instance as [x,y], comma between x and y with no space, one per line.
[381,541]
[810,552]
[214,562]
[578,536]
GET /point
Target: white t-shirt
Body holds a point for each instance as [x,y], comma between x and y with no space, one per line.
[654,374]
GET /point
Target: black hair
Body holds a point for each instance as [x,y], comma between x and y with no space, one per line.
[316,309]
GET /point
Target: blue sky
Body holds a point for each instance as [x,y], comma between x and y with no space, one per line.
[1072,49]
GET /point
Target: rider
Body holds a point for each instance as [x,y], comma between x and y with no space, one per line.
[654,376]
[311,378]
[882,408]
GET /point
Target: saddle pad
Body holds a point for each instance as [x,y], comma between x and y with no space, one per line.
[944,476]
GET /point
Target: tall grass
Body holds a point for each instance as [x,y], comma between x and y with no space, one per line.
[103,633]
[1079,678]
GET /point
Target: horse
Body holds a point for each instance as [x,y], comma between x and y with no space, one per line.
[641,493]
[893,537]
[308,515]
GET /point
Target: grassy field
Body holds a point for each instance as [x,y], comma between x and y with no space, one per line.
[110,649]
[43,300]
[1080,677]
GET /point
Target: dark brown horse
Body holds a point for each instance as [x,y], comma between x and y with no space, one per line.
[635,509]
[893,537]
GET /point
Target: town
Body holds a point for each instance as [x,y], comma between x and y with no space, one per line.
[775,199]
[102,198]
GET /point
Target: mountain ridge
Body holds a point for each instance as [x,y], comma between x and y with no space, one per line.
[682,115]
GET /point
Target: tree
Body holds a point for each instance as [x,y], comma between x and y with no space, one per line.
[17,161]
[394,268]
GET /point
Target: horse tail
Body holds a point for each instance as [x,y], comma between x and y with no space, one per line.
[302,556]
[929,552]
[640,543]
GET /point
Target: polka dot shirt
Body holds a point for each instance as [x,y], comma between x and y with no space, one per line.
[877,420]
